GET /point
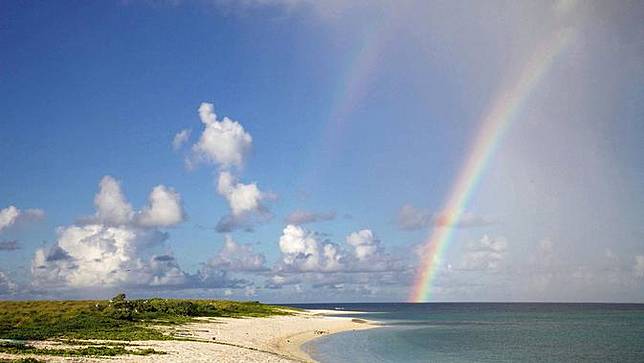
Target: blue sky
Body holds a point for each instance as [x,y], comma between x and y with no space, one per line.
[355,112]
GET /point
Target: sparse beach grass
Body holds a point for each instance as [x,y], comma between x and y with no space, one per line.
[97,350]
[21,360]
[120,319]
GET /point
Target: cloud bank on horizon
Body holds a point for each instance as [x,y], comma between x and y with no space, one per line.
[556,215]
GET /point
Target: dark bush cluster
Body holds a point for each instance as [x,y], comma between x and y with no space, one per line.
[149,309]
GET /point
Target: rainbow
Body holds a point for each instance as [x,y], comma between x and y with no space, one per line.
[504,109]
[352,86]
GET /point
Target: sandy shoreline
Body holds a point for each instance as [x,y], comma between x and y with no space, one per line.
[272,339]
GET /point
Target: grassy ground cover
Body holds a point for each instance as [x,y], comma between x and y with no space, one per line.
[87,351]
[115,319]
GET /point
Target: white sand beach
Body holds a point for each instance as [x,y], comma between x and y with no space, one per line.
[272,339]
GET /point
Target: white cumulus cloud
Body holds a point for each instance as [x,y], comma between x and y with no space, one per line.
[364,243]
[224,142]
[8,216]
[98,255]
[302,251]
[325,262]
[111,205]
[164,208]
[115,246]
[12,215]
[242,198]
[246,202]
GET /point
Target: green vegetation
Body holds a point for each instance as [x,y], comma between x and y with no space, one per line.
[91,342]
[116,319]
[40,320]
[21,360]
[89,351]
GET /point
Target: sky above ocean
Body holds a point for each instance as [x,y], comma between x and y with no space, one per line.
[306,151]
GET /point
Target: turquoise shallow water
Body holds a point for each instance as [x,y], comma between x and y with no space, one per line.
[488,332]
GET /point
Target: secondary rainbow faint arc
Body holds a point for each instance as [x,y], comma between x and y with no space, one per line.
[352,85]
[504,108]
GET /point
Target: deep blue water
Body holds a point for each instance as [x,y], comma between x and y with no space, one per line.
[487,332]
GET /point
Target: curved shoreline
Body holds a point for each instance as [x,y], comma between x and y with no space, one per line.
[291,345]
[270,339]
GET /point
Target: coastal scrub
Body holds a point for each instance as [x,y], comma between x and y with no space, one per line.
[116,319]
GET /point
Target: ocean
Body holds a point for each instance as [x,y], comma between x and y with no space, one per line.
[486,332]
